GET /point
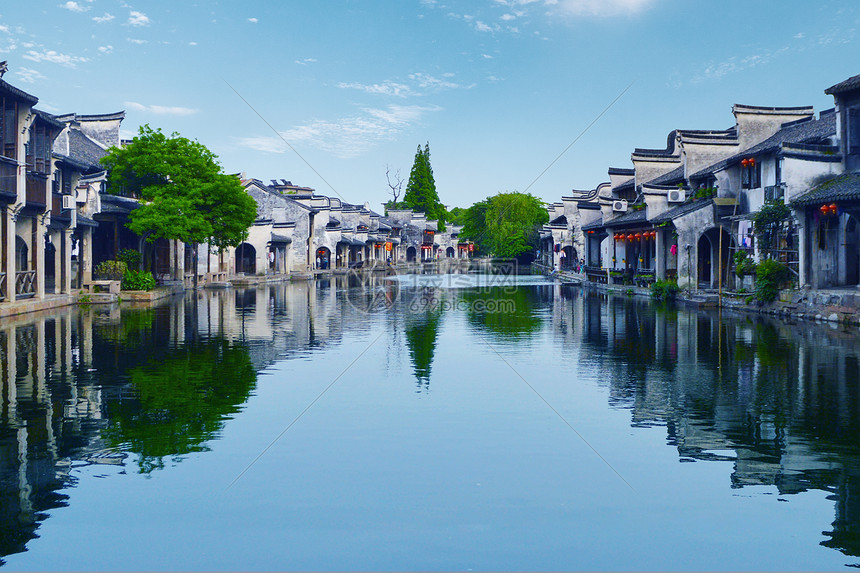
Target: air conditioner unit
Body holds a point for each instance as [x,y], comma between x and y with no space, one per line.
[68,202]
[620,206]
[677,196]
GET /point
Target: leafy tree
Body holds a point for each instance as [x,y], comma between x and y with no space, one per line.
[457,216]
[513,221]
[184,195]
[421,192]
[474,223]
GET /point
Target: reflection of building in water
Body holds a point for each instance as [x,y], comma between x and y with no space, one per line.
[67,395]
[780,403]
[50,416]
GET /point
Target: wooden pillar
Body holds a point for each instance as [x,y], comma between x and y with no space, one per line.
[8,239]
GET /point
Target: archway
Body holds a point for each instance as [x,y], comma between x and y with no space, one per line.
[569,258]
[22,258]
[449,252]
[246,259]
[710,259]
[323,260]
[410,255]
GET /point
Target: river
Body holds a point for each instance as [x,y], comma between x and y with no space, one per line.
[426,422]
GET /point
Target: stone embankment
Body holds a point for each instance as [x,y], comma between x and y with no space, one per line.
[840,305]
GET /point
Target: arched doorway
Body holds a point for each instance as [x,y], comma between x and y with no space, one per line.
[323,260]
[50,268]
[710,259]
[569,258]
[449,252]
[22,255]
[246,259]
[410,255]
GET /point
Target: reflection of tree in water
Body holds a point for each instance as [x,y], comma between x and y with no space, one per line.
[421,332]
[182,400]
[507,313]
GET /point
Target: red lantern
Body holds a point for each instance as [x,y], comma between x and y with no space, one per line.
[833,208]
[745,162]
[752,161]
[824,209]
[638,236]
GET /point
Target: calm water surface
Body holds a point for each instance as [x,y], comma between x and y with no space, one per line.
[426,423]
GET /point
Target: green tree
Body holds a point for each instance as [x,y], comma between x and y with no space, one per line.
[474,223]
[183,193]
[421,192]
[513,221]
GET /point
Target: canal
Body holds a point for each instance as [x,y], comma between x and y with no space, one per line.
[426,422]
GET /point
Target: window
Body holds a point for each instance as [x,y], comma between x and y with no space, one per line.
[39,148]
[750,174]
[8,128]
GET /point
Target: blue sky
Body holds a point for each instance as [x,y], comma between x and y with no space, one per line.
[499,88]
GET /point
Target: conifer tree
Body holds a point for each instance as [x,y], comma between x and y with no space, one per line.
[421,192]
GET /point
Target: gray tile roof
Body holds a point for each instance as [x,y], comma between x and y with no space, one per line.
[625,186]
[848,85]
[631,218]
[800,131]
[84,150]
[117,204]
[845,187]
[598,224]
[680,211]
[674,176]
[20,94]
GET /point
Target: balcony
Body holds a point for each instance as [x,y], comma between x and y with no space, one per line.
[8,180]
[37,190]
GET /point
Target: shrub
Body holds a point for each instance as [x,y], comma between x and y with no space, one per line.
[110,270]
[130,257]
[744,265]
[138,280]
[664,290]
[770,274]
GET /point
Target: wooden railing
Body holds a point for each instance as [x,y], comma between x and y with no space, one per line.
[37,190]
[25,284]
[2,286]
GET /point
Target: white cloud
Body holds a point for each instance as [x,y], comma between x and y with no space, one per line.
[487,56]
[347,137]
[106,49]
[160,109]
[385,88]
[253,20]
[136,18]
[192,43]
[137,41]
[102,19]
[600,8]
[306,61]
[4,29]
[53,57]
[28,76]
[482,27]
[74,7]
[426,81]
[419,83]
